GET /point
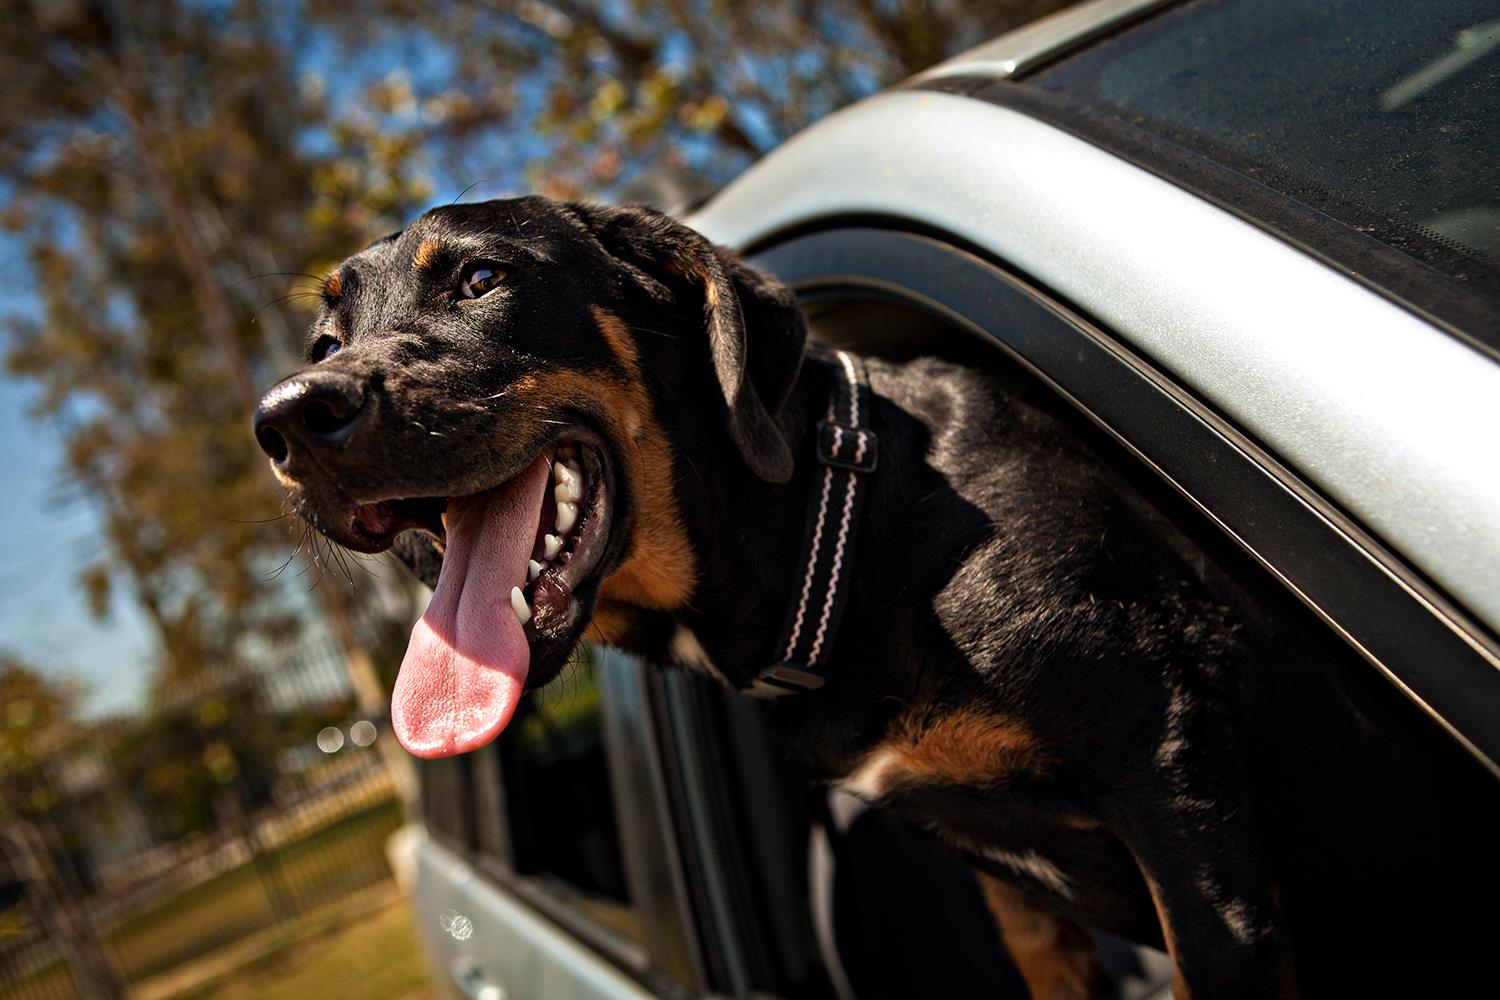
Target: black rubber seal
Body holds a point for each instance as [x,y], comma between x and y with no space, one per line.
[1466,313]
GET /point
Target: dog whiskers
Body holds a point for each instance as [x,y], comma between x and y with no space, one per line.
[655,333]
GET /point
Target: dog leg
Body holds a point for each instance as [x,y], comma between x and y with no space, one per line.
[1197,850]
[1054,956]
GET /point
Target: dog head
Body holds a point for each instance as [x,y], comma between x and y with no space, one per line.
[496,392]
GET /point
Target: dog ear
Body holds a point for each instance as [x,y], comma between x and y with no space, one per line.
[756,333]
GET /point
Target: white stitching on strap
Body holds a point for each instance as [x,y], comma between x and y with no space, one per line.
[853,389]
[812,563]
[817,542]
[833,574]
[838,551]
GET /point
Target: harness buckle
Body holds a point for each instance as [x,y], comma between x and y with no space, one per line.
[787,678]
[842,446]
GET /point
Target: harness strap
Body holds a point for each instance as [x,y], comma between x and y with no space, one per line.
[848,452]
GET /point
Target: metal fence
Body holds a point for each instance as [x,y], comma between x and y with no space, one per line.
[234,808]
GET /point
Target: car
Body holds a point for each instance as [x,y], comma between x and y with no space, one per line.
[1251,250]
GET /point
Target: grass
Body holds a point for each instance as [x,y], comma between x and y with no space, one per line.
[324,866]
[374,958]
[331,862]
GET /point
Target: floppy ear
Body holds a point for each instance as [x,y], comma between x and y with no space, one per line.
[756,333]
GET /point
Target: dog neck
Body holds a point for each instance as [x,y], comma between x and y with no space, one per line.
[748,535]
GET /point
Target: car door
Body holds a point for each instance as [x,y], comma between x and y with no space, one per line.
[545,870]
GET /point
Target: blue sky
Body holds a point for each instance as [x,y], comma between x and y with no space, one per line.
[44,542]
[48,533]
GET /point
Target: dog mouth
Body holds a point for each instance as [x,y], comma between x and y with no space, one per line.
[519,568]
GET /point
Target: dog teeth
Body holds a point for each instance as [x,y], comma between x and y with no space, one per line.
[533,569]
[551,546]
[567,514]
[519,606]
[569,488]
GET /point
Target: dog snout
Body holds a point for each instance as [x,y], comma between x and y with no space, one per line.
[309,414]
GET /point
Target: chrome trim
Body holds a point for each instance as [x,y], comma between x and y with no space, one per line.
[1384,414]
[1042,40]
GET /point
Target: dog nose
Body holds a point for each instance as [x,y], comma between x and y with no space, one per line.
[313,411]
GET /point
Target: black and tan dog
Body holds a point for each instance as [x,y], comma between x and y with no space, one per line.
[599,424]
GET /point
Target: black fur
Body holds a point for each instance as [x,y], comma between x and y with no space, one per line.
[1003,569]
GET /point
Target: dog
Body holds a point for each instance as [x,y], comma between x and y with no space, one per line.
[574,420]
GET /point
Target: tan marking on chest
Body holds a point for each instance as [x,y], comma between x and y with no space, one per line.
[1180,989]
[1055,956]
[963,747]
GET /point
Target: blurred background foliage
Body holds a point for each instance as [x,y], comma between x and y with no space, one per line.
[176,176]
[179,174]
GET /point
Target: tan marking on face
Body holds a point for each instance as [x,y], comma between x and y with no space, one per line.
[964,747]
[661,570]
[617,336]
[1055,956]
[610,624]
[333,285]
[426,255]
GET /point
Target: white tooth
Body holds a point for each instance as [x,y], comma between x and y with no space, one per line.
[518,605]
[533,569]
[444,516]
[574,467]
[567,513]
[569,484]
[551,546]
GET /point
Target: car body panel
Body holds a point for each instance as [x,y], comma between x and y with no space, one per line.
[1390,417]
[1043,39]
[484,938]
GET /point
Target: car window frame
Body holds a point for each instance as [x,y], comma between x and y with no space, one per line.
[1397,620]
[668,963]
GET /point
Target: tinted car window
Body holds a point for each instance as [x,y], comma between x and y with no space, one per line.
[536,803]
[561,817]
[1383,115]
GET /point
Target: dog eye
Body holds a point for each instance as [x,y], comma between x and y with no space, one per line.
[325,347]
[480,278]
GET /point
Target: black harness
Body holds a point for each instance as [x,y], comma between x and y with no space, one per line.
[848,452]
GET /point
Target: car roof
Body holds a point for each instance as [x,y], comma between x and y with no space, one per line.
[1385,414]
[1043,40]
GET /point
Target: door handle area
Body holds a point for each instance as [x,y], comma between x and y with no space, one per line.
[469,977]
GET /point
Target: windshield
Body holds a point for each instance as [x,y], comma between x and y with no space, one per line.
[1385,116]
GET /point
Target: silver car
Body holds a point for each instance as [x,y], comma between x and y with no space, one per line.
[1253,247]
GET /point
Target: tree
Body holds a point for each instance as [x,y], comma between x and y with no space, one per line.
[36,724]
[162,158]
[592,93]
[154,158]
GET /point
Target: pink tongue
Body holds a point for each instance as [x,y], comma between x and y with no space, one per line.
[462,674]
